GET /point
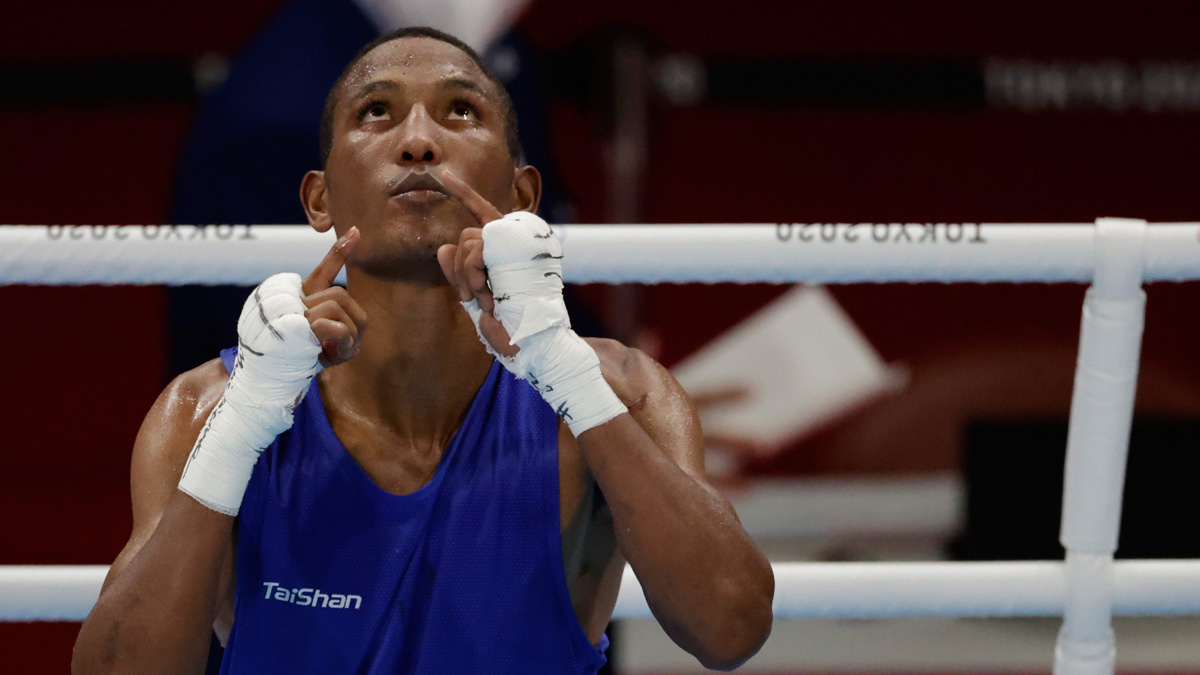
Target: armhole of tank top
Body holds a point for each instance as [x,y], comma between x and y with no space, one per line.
[576,636]
[227,358]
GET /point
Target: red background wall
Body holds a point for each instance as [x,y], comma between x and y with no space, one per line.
[82,365]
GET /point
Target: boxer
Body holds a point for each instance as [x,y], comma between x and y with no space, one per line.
[455,491]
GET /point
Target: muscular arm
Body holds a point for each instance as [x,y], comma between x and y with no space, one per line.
[706,582]
[157,608]
[174,578]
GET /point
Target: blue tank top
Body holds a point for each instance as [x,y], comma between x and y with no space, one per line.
[465,575]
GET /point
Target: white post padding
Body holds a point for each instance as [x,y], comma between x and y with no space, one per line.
[737,253]
[1101,415]
[1086,643]
[1098,444]
[874,590]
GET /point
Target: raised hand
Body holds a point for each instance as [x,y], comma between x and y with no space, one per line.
[463,265]
[334,317]
[522,297]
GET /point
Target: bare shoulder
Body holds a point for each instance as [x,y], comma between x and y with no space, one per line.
[633,375]
[193,392]
[160,451]
[656,400]
[178,416]
[165,438]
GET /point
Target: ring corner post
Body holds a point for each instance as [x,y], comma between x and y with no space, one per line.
[1098,445]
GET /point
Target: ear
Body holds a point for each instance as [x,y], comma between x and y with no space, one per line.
[528,188]
[314,195]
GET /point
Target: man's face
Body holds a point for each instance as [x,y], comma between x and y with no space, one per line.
[411,109]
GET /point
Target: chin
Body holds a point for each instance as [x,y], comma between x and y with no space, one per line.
[404,253]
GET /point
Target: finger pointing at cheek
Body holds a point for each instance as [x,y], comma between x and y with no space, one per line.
[326,271]
[333,316]
[483,210]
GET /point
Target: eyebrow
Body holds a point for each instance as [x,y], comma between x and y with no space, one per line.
[372,87]
[452,83]
[464,83]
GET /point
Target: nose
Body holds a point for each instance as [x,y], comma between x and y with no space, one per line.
[418,139]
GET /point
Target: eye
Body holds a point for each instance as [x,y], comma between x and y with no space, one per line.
[374,111]
[462,110]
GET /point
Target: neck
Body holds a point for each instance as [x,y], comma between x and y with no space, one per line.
[419,366]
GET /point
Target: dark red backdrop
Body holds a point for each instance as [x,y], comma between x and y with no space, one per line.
[84,364]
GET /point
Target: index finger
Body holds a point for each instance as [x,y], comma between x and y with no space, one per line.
[326,271]
[483,210]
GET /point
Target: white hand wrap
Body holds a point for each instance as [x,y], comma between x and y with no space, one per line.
[276,361]
[524,264]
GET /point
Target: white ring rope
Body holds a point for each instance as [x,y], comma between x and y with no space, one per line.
[802,590]
[773,253]
[1117,255]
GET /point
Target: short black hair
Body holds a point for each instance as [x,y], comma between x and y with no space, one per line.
[511,136]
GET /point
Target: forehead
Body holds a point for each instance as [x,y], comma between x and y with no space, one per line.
[415,60]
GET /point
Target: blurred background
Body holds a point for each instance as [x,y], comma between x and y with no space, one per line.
[928,422]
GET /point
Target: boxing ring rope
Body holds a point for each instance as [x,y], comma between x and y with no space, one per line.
[850,590]
[1115,255]
[771,253]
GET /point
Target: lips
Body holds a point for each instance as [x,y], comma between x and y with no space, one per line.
[414,182]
